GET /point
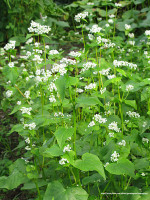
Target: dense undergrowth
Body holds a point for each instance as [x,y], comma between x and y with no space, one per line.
[80,127]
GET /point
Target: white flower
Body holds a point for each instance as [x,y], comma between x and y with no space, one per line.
[59,68]
[80,16]
[18,103]
[26,110]
[143,174]
[53,52]
[63,161]
[114,156]
[38,28]
[107,25]
[111,16]
[133,114]
[122,143]
[10,45]
[90,4]
[87,66]
[145,140]
[68,61]
[111,76]
[52,87]
[27,148]
[144,124]
[91,37]
[99,119]
[79,90]
[90,86]
[111,134]
[52,98]
[67,148]
[11,64]
[129,88]
[74,54]
[102,90]
[9,93]
[95,29]
[113,126]
[131,35]
[127,27]
[92,123]
[27,140]
[37,59]
[118,4]
[106,164]
[131,42]
[27,94]
[147,32]
[30,126]
[117,63]
[110,21]
[104,72]
[29,41]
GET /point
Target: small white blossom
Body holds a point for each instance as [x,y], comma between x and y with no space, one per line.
[63,161]
[122,143]
[92,123]
[80,16]
[75,54]
[26,110]
[106,164]
[53,52]
[67,148]
[52,98]
[127,27]
[114,156]
[113,126]
[99,119]
[145,140]
[102,90]
[111,134]
[129,88]
[79,90]
[27,94]
[27,148]
[90,86]
[18,103]
[27,140]
[9,93]
[11,64]
[133,114]
[95,29]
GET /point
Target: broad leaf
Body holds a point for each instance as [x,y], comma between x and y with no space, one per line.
[90,162]
[56,191]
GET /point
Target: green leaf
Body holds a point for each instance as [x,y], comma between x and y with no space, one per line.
[87,101]
[71,81]
[56,191]
[53,151]
[141,163]
[16,128]
[30,186]
[123,166]
[90,162]
[138,1]
[62,134]
[131,103]
[61,86]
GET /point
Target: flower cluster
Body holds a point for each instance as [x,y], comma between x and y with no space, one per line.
[95,29]
[147,32]
[117,63]
[90,86]
[145,140]
[75,54]
[129,88]
[67,148]
[80,16]
[63,161]
[105,72]
[127,27]
[87,66]
[53,52]
[99,119]
[59,68]
[68,61]
[10,45]
[133,114]
[25,110]
[52,98]
[9,93]
[30,126]
[113,126]
[38,28]
[114,156]
[122,143]
[102,90]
